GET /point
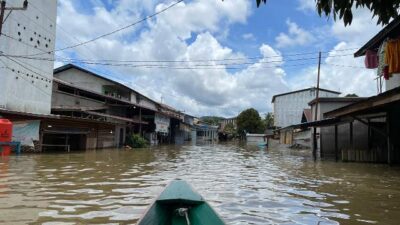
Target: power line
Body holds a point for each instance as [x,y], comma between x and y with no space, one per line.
[350,66]
[98,61]
[59,27]
[115,31]
[25,67]
[22,77]
[163,65]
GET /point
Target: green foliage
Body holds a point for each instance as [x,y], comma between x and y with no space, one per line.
[384,10]
[212,120]
[136,141]
[230,129]
[269,120]
[351,95]
[249,121]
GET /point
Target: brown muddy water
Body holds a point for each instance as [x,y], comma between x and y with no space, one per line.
[245,185]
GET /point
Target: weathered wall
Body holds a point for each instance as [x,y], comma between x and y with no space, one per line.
[28,87]
[148,104]
[288,109]
[66,99]
[83,80]
[393,82]
[360,138]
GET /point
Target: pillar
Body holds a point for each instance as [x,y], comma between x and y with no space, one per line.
[336,143]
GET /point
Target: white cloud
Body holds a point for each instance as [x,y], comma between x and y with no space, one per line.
[362,28]
[296,36]
[212,89]
[340,70]
[306,5]
[248,36]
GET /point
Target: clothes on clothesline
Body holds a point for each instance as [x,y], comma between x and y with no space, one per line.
[371,59]
[381,61]
[392,56]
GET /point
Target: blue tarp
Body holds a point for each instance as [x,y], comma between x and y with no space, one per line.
[26,131]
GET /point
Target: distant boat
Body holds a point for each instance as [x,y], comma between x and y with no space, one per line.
[179,204]
[258,139]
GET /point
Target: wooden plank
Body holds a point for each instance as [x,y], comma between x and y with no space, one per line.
[364,105]
[351,134]
[336,143]
[389,159]
[315,146]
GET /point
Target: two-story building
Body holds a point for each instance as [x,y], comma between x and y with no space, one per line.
[288,107]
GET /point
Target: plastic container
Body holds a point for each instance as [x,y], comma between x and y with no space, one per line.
[5,135]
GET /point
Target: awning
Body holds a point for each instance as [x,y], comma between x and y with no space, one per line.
[319,123]
[116,117]
[373,104]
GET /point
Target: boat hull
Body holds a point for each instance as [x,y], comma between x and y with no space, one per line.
[179,195]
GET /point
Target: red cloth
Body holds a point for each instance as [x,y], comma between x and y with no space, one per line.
[386,73]
[371,59]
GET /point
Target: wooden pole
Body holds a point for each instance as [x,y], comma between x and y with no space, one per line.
[140,121]
[2,9]
[369,134]
[336,143]
[351,134]
[316,108]
[389,159]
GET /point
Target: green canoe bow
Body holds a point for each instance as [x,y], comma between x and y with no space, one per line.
[179,204]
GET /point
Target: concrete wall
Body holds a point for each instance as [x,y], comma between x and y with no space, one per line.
[83,80]
[147,103]
[393,82]
[288,109]
[28,87]
[66,99]
[324,107]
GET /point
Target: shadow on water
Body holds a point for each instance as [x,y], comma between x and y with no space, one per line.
[246,185]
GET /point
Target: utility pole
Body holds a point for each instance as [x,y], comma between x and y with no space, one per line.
[3,9]
[316,108]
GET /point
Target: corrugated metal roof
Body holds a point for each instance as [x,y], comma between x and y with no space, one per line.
[307,89]
[392,30]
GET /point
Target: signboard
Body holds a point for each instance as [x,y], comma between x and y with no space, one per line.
[162,123]
[26,131]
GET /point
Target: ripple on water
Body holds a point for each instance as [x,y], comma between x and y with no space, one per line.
[245,185]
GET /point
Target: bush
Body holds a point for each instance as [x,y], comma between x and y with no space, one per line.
[136,141]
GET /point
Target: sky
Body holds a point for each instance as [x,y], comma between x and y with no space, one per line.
[214,57]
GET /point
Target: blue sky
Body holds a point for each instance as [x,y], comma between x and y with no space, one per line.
[219,30]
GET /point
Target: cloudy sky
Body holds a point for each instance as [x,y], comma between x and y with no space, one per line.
[214,57]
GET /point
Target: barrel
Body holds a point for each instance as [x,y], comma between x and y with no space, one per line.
[5,135]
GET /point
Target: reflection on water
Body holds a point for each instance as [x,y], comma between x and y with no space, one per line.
[245,184]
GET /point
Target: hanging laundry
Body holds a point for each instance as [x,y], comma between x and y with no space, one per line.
[385,73]
[392,56]
[381,58]
[371,59]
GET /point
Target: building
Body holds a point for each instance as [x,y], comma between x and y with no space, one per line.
[227,121]
[26,83]
[90,111]
[367,129]
[325,136]
[84,94]
[289,107]
[378,114]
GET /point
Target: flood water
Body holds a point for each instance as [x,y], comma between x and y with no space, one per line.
[244,184]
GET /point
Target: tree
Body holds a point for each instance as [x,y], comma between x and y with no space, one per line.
[230,129]
[249,121]
[351,95]
[269,120]
[385,10]
[212,120]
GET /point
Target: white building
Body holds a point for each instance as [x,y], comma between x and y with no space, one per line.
[289,107]
[26,84]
